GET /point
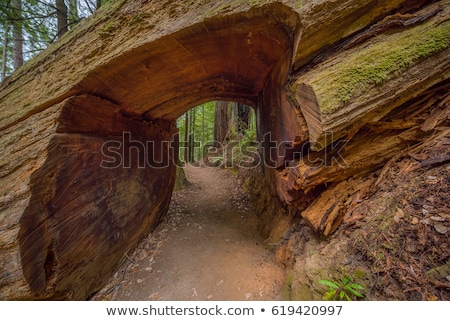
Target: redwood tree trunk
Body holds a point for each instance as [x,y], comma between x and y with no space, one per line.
[61,17]
[243,114]
[220,122]
[17,34]
[186,138]
[5,53]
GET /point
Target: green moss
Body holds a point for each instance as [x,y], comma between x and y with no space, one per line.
[139,18]
[377,63]
[359,274]
[109,28]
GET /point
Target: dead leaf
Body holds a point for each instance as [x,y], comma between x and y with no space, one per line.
[440,228]
[400,213]
[415,221]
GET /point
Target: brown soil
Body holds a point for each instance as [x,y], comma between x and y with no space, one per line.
[206,248]
[394,241]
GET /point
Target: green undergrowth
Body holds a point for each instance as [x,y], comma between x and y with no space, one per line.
[375,64]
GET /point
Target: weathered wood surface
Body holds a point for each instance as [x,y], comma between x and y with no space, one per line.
[66,222]
[72,211]
[106,41]
[362,84]
[371,149]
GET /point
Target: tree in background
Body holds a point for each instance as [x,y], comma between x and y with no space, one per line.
[185,141]
[209,125]
[28,27]
[4,52]
[231,120]
[17,27]
[220,122]
[196,128]
[99,3]
[243,118]
[73,13]
[61,17]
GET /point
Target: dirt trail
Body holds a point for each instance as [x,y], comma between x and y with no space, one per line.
[206,248]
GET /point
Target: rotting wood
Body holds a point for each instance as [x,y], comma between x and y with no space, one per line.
[375,148]
[440,114]
[327,212]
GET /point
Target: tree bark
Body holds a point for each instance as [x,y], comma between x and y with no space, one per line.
[243,114]
[233,122]
[17,34]
[220,122]
[342,94]
[203,125]
[192,136]
[186,137]
[98,4]
[61,17]
[5,53]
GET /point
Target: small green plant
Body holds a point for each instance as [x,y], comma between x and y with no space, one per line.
[342,290]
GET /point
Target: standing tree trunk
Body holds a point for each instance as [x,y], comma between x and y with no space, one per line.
[220,122]
[192,137]
[73,13]
[243,115]
[61,17]
[186,139]
[5,53]
[98,4]
[233,121]
[17,34]
[203,125]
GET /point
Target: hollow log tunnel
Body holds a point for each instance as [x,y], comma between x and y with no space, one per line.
[82,217]
[70,213]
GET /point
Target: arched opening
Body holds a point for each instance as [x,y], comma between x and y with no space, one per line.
[206,130]
[94,198]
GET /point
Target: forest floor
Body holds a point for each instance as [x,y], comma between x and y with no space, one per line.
[206,248]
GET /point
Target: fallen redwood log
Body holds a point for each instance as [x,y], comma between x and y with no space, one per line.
[341,169]
[134,67]
[363,84]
